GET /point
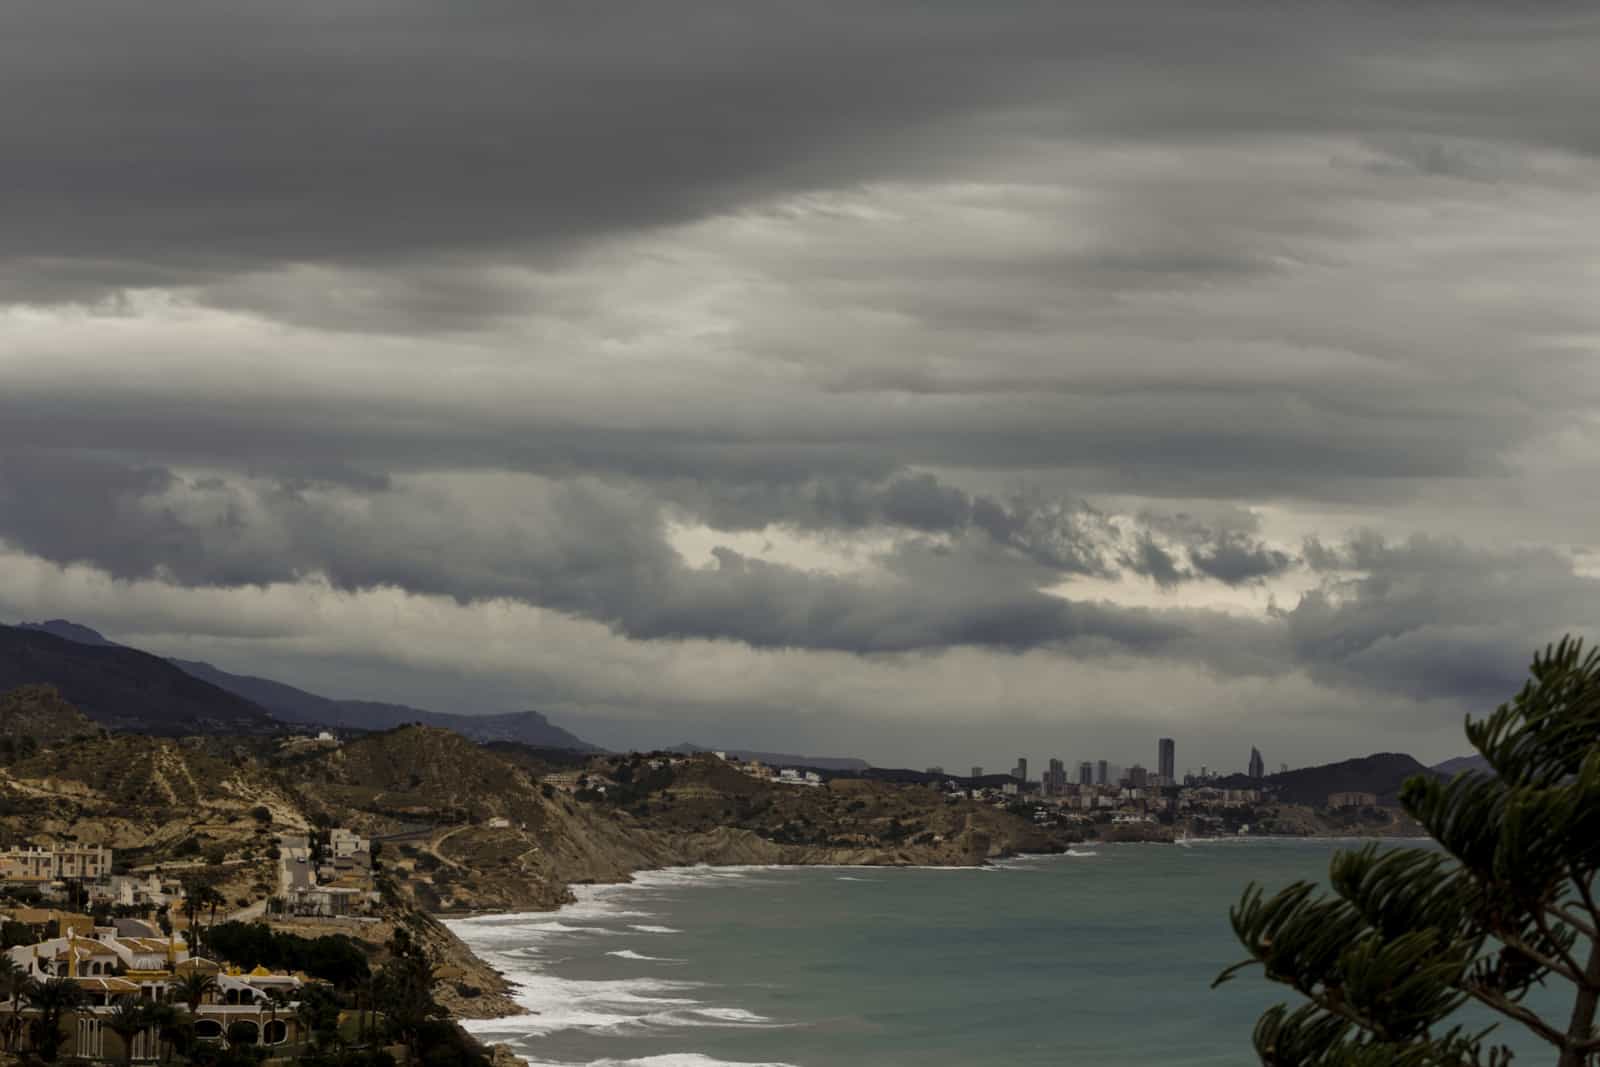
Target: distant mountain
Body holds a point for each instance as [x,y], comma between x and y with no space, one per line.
[1453,767]
[781,759]
[291,705]
[1382,774]
[124,688]
[298,706]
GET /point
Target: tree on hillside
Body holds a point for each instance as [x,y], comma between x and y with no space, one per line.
[1411,936]
[404,989]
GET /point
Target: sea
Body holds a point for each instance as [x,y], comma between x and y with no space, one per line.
[1102,957]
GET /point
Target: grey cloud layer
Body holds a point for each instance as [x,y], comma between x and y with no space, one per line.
[1424,617]
[199,140]
[484,302]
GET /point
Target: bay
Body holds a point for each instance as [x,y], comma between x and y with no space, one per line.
[1100,957]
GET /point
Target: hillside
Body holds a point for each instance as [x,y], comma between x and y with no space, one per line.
[39,712]
[440,792]
[417,774]
[125,689]
[780,759]
[1382,774]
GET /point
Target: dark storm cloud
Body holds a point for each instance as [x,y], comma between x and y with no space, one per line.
[1225,547]
[199,141]
[575,546]
[1067,536]
[1435,616]
[1423,618]
[1235,559]
[1155,562]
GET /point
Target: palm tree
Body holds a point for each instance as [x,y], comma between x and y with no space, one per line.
[52,1000]
[276,999]
[14,985]
[166,1019]
[192,988]
[127,1020]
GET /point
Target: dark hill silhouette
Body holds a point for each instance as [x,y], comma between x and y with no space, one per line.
[124,688]
[1453,767]
[292,705]
[1382,774]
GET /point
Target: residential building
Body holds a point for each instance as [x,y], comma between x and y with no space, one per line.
[1138,777]
[1352,800]
[107,967]
[84,863]
[1102,773]
[1086,773]
[345,843]
[1020,771]
[1167,759]
[977,772]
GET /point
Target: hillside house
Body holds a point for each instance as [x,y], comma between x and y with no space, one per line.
[107,967]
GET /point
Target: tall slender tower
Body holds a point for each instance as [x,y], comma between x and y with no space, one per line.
[1167,759]
[1258,767]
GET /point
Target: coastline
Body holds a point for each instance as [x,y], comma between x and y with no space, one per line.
[502,1004]
[562,1000]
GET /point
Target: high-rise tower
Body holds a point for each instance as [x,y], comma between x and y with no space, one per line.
[1258,767]
[1167,760]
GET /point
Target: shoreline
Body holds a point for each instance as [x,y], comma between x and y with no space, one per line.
[446,919]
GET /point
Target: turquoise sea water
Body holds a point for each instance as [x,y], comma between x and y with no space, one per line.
[1098,958]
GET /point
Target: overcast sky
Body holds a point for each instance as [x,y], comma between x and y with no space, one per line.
[934,383]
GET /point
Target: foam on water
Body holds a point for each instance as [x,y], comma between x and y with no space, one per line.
[520,946]
[629,954]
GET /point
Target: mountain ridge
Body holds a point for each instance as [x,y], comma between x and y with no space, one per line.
[292,705]
[124,688]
